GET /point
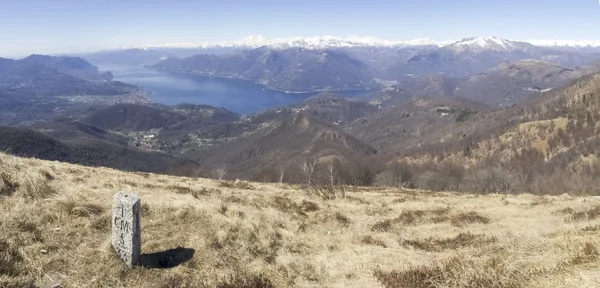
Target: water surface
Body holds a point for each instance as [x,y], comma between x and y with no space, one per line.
[239,96]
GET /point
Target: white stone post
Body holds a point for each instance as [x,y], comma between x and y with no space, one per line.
[126,229]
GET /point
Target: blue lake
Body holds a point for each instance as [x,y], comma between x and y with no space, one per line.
[239,96]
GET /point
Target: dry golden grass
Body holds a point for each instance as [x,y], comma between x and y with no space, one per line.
[55,228]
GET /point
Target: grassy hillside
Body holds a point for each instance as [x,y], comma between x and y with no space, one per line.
[55,228]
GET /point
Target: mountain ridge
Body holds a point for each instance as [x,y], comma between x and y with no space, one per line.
[321,42]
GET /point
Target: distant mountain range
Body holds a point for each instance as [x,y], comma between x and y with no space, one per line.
[389,58]
[58,76]
[293,70]
[38,87]
[355,67]
[324,42]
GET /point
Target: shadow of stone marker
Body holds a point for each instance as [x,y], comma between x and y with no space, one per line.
[126,229]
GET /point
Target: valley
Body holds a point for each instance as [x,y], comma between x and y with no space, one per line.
[413,120]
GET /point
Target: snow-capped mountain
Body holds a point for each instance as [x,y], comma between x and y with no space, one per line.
[388,59]
[321,42]
[473,44]
[478,44]
[566,43]
[475,55]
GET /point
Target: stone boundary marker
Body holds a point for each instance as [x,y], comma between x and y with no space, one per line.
[126,229]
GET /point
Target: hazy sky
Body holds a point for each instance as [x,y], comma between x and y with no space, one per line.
[54,26]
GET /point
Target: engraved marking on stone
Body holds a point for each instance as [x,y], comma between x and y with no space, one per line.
[126,232]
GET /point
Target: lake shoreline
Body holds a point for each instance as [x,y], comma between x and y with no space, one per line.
[241,96]
[257,82]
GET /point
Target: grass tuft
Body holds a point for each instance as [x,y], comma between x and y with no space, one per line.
[79,206]
[8,184]
[410,217]
[589,214]
[236,185]
[308,206]
[370,240]
[244,281]
[286,205]
[382,226]
[87,210]
[10,259]
[458,272]
[588,254]
[194,192]
[462,219]
[591,228]
[459,241]
[342,219]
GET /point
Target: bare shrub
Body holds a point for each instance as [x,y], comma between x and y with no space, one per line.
[492,180]
[326,191]
[397,174]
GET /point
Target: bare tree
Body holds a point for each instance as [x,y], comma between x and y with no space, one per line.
[281,173]
[331,173]
[308,169]
[220,172]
